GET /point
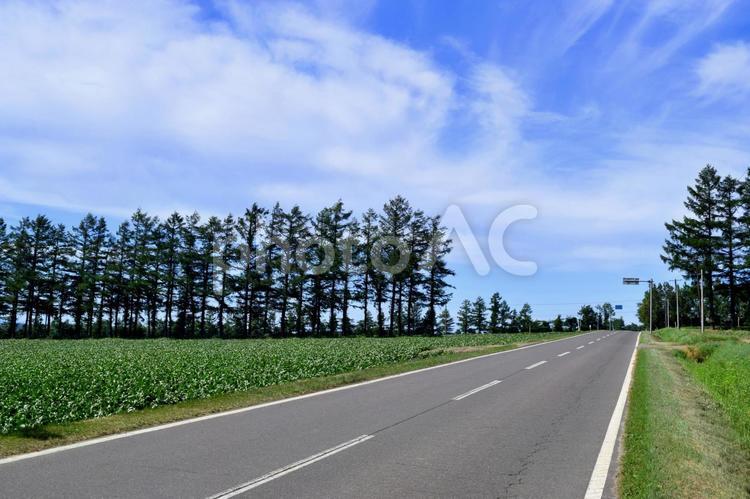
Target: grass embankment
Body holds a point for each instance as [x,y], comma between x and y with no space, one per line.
[687,432]
[48,379]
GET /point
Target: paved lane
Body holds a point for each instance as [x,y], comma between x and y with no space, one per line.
[523,423]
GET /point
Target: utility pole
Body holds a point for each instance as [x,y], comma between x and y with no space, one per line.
[651,305]
[666,298]
[677,298]
[702,327]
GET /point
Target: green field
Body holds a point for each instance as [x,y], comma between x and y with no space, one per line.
[49,381]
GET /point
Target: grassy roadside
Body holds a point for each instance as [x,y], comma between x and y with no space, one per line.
[684,433]
[53,435]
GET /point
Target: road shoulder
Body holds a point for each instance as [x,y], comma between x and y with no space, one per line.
[677,442]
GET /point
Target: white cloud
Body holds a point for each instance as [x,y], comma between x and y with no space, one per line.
[725,71]
[144,103]
[664,27]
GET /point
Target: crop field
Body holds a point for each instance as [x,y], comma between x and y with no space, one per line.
[56,381]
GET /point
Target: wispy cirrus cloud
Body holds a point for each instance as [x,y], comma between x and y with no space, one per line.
[725,71]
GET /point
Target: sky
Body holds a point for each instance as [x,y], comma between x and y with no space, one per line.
[596,113]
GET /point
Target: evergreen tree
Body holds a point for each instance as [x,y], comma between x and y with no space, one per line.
[445,323]
[525,320]
[436,286]
[294,230]
[479,316]
[730,247]
[5,270]
[394,225]
[465,317]
[169,250]
[249,229]
[18,276]
[495,325]
[693,243]
[364,283]
[227,255]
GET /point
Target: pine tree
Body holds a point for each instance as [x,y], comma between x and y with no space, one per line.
[293,232]
[20,251]
[445,323]
[364,290]
[465,317]
[55,286]
[731,243]
[394,224]
[495,325]
[437,288]
[693,243]
[249,229]
[169,250]
[333,224]
[226,256]
[524,318]
[479,316]
[41,234]
[5,270]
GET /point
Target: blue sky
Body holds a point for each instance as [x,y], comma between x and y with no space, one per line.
[598,113]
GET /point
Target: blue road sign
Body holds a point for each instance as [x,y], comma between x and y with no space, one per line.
[618,307]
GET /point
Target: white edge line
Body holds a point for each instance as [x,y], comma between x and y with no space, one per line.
[174,424]
[563,354]
[532,366]
[598,479]
[273,475]
[477,389]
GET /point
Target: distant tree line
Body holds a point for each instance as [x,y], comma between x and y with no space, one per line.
[478,318]
[713,237]
[267,273]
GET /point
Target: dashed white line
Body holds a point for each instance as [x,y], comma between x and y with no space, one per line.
[478,389]
[273,475]
[598,339]
[532,366]
[578,348]
[563,354]
[591,342]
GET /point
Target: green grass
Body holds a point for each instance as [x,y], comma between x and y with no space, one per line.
[61,381]
[444,350]
[686,427]
[692,336]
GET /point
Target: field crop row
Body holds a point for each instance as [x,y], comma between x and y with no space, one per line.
[48,381]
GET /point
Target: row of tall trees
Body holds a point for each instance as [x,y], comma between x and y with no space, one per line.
[266,273]
[714,238]
[479,318]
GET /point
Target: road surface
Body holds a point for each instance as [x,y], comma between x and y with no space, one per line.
[523,423]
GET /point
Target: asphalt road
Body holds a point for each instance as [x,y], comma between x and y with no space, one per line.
[523,423]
